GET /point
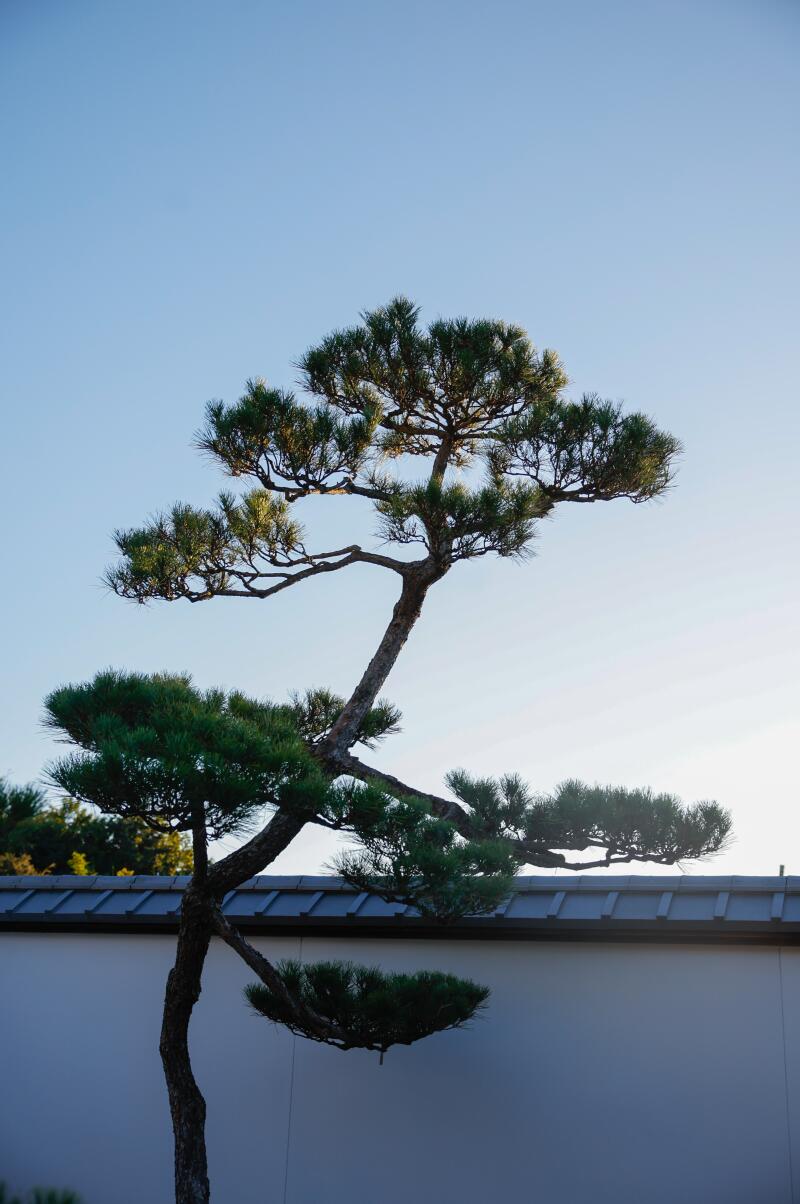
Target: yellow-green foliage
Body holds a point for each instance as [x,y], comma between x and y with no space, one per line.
[71,837]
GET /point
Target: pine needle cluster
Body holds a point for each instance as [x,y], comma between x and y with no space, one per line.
[504,445]
[627,823]
[375,1010]
[375,398]
[408,855]
[158,749]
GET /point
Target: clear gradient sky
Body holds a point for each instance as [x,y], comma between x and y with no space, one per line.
[193,192]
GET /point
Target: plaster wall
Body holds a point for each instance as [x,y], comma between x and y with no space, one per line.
[599,1073]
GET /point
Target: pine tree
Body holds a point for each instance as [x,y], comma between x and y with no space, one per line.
[378,399]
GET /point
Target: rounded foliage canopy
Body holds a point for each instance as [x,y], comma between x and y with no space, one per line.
[159,749]
[372,1009]
[376,398]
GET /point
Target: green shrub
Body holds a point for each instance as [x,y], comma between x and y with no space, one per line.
[51,1195]
[40,1195]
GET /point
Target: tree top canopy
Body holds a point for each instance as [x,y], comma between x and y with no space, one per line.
[375,399]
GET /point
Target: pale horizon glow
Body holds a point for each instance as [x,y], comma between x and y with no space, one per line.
[193,194]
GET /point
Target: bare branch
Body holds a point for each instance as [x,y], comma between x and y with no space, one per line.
[316,564]
[346,487]
[444,808]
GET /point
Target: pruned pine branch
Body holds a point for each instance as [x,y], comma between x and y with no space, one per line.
[450,383]
[372,1010]
[639,825]
[316,711]
[409,855]
[350,1006]
[294,450]
[586,451]
[157,749]
[298,1013]
[628,825]
[246,549]
[456,523]
[456,392]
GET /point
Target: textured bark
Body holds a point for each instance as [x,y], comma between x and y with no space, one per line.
[417,580]
[256,855]
[442,459]
[416,583]
[186,1103]
[198,912]
[314,1025]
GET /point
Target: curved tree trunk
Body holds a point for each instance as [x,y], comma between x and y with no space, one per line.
[187,1106]
[405,614]
[201,898]
[417,580]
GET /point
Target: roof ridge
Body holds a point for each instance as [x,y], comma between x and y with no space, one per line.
[523,883]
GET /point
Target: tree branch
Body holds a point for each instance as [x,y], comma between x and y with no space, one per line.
[444,808]
[306,1018]
[447,809]
[528,852]
[317,488]
[418,576]
[318,564]
[250,858]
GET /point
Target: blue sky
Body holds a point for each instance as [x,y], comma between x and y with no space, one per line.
[193,193]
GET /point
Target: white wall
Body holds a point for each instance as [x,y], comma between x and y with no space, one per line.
[599,1074]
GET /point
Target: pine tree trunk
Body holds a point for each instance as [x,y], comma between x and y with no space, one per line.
[404,616]
[187,1106]
[206,889]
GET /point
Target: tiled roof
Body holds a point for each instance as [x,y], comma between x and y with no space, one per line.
[557,907]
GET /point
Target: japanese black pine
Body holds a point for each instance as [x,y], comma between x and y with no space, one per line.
[461,438]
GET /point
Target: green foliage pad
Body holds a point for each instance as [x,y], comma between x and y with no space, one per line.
[161,750]
[374,1010]
[377,399]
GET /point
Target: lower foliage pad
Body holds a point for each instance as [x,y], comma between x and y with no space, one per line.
[374,1010]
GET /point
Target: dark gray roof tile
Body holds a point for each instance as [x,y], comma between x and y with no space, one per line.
[709,882]
[586,905]
[755,882]
[637,905]
[791,908]
[750,906]
[528,905]
[582,905]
